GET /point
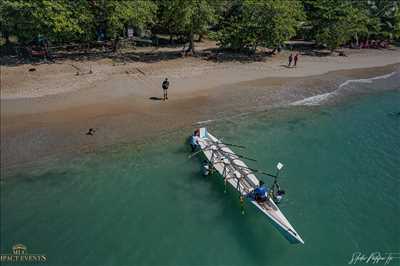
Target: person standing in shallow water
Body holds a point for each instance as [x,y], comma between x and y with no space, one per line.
[165,86]
[296,57]
[290,59]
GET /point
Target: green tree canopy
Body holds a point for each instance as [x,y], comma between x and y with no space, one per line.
[171,17]
[337,22]
[237,24]
[59,20]
[119,14]
[251,23]
[387,13]
[186,17]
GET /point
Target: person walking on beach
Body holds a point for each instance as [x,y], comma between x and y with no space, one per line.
[296,57]
[165,86]
[290,59]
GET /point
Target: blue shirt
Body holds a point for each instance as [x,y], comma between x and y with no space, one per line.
[194,140]
[261,191]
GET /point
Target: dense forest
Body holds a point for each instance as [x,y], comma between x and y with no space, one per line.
[237,24]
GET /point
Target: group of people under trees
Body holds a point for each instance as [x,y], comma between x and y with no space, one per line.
[380,44]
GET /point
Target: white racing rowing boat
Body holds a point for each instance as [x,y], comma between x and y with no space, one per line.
[236,172]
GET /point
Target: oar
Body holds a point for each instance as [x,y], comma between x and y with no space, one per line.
[255,170]
[233,145]
[238,155]
[247,158]
[195,153]
[262,172]
[207,148]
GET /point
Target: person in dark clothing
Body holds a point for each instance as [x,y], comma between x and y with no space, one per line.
[296,57]
[260,193]
[276,192]
[290,59]
[165,86]
[90,132]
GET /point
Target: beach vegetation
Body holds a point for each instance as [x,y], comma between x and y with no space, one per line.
[186,18]
[249,24]
[238,25]
[58,20]
[116,16]
[335,23]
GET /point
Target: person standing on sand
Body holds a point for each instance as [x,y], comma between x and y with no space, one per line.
[296,57]
[165,86]
[290,59]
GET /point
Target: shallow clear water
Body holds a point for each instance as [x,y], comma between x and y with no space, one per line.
[148,204]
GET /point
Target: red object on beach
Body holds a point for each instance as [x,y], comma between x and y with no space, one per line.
[38,53]
[296,57]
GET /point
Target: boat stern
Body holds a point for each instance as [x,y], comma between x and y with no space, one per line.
[203,132]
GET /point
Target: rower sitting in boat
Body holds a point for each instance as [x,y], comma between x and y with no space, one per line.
[277,192]
[207,168]
[194,140]
[259,194]
[279,196]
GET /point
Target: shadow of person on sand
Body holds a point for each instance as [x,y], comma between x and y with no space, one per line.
[156,98]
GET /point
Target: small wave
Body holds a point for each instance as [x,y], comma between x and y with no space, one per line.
[368,80]
[317,99]
[313,100]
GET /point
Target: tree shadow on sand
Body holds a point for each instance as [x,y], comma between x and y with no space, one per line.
[219,55]
[153,56]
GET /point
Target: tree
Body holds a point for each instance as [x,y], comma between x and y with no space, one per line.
[186,17]
[396,31]
[120,14]
[386,12]
[58,20]
[363,25]
[171,17]
[337,22]
[251,23]
[199,16]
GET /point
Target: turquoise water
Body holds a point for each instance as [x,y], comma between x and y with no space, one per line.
[148,204]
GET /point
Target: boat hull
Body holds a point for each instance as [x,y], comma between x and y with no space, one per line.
[269,208]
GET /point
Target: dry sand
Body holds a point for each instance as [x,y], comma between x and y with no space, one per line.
[48,111]
[187,75]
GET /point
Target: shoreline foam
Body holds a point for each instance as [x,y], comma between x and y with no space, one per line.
[321,98]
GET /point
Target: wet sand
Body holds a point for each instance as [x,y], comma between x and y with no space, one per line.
[36,125]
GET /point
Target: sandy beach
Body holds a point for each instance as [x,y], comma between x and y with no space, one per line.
[47,111]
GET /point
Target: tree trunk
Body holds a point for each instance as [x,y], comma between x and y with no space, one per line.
[115,44]
[6,35]
[255,49]
[356,37]
[191,43]
[170,38]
